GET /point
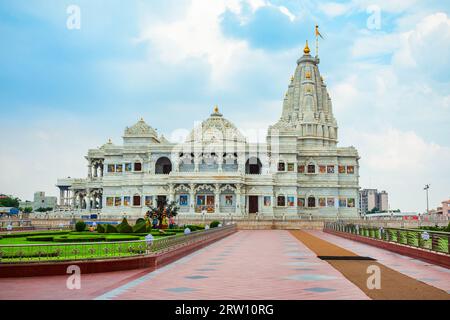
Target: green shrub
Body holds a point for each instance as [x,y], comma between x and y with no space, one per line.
[177,230]
[124,227]
[29,234]
[194,227]
[76,239]
[41,238]
[141,227]
[110,229]
[214,224]
[121,238]
[80,226]
[100,229]
[148,228]
[140,220]
[161,233]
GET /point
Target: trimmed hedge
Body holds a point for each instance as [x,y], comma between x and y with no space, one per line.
[111,229]
[100,229]
[194,227]
[74,239]
[80,226]
[29,234]
[41,238]
[163,234]
[140,220]
[214,224]
[124,227]
[122,238]
[140,227]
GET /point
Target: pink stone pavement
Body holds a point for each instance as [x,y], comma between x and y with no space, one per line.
[252,265]
[430,274]
[247,265]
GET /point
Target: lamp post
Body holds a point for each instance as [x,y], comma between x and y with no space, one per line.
[427,186]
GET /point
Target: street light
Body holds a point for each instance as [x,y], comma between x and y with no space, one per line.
[427,186]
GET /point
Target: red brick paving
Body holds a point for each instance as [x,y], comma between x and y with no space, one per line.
[253,265]
[257,265]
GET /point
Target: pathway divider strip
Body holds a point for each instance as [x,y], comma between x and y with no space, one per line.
[394,285]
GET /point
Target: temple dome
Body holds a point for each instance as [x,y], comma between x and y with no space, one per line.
[215,129]
[107,145]
[307,107]
[141,129]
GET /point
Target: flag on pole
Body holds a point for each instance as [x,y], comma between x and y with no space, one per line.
[317,32]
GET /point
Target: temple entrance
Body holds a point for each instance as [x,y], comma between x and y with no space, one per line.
[253,206]
[161,201]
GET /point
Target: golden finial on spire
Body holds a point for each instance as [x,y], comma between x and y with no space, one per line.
[292,78]
[216,109]
[142,119]
[109,141]
[306,50]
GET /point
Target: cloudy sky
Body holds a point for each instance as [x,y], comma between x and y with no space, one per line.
[63,91]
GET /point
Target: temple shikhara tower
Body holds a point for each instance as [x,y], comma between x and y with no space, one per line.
[299,171]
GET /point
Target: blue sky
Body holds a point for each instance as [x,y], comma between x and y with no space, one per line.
[64,91]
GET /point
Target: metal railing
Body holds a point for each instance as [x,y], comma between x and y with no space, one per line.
[419,238]
[31,253]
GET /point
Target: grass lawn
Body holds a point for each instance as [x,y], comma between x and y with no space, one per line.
[55,251]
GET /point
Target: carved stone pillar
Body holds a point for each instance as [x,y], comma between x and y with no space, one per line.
[217,197]
[220,163]
[171,193]
[241,163]
[88,200]
[238,200]
[192,198]
[197,160]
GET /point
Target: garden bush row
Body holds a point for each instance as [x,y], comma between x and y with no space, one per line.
[29,234]
[83,238]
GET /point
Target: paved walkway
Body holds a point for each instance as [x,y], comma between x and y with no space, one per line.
[247,265]
[252,265]
[431,274]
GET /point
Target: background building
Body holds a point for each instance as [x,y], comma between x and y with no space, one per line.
[40,201]
[370,199]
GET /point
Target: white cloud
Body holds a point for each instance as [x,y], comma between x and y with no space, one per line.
[196,35]
[402,162]
[334,9]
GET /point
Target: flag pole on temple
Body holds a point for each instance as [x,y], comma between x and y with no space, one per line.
[317,40]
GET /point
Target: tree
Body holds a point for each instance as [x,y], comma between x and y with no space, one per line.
[9,202]
[165,209]
[28,210]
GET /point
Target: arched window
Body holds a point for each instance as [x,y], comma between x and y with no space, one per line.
[253,166]
[311,202]
[163,166]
